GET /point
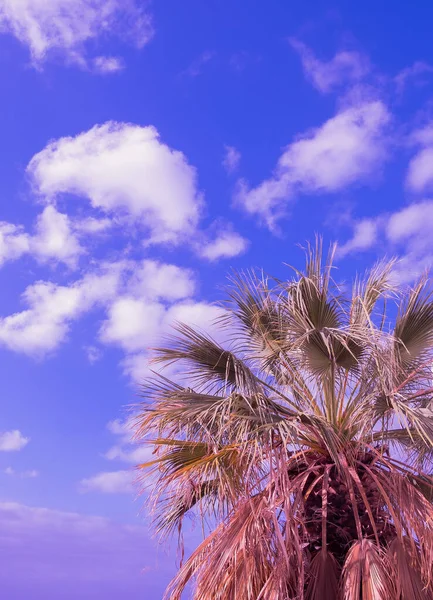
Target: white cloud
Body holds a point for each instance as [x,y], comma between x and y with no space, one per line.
[123,170]
[134,455]
[109,482]
[14,242]
[349,148]
[108,64]
[21,474]
[12,441]
[345,67]
[225,245]
[45,324]
[415,221]
[69,27]
[419,177]
[132,324]
[406,233]
[156,280]
[416,73]
[364,237]
[93,354]
[54,239]
[231,159]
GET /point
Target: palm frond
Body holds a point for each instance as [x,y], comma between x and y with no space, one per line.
[414,326]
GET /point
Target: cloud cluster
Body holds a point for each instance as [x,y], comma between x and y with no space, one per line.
[69,27]
[122,170]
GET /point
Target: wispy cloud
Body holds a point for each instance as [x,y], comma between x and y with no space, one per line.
[349,148]
[67,555]
[232,159]
[109,482]
[405,233]
[71,27]
[346,67]
[31,474]
[198,64]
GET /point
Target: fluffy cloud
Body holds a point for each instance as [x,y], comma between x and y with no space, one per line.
[45,324]
[419,177]
[347,149]
[405,233]
[123,170]
[109,482]
[157,280]
[364,237]
[231,159]
[67,555]
[132,324]
[68,27]
[108,64]
[345,67]
[14,242]
[54,239]
[226,245]
[141,300]
[12,441]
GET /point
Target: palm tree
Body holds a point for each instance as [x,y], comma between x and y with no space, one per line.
[305,448]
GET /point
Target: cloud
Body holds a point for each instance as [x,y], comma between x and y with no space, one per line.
[231,159]
[419,178]
[12,441]
[417,73]
[405,233]
[54,240]
[345,67]
[123,170]
[42,327]
[14,242]
[200,315]
[132,324]
[21,474]
[108,64]
[68,555]
[364,237]
[93,354]
[196,67]
[347,149]
[156,280]
[226,244]
[126,450]
[70,27]
[109,482]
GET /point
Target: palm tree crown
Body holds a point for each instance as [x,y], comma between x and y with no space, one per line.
[305,441]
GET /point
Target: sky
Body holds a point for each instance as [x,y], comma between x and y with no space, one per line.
[147,151]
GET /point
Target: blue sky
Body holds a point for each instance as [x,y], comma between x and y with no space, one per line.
[147,150]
